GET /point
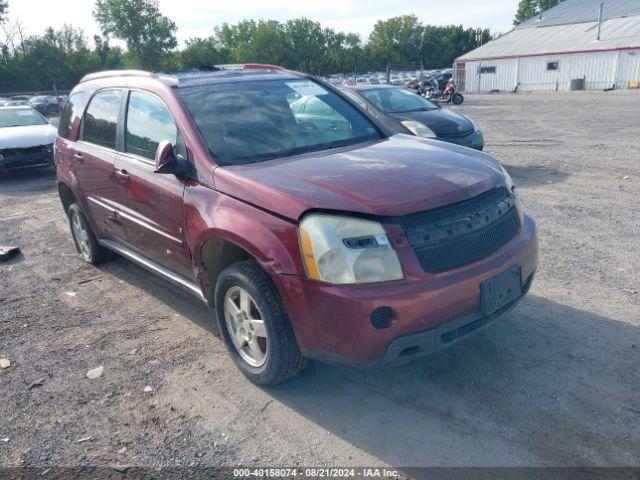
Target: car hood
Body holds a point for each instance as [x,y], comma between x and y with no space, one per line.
[396,176]
[29,136]
[441,121]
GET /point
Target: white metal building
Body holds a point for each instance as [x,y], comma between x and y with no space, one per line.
[570,41]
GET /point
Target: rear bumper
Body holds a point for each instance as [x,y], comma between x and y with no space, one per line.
[431,311]
[22,161]
[474,140]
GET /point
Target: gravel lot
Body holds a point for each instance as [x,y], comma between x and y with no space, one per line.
[558,384]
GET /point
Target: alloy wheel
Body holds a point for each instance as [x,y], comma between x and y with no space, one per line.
[246,326]
[81,235]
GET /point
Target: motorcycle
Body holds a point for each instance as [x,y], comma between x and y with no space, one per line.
[450,94]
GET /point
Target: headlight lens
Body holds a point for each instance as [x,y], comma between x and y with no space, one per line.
[511,186]
[419,129]
[341,250]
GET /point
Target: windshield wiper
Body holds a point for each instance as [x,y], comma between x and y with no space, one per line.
[302,150]
[423,109]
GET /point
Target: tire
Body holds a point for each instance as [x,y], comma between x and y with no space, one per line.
[84,238]
[265,360]
[457,99]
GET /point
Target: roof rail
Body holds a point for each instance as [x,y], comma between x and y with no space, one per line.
[252,66]
[117,73]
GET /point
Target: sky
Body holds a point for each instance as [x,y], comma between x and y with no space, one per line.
[196,18]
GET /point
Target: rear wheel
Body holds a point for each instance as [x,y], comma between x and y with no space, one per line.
[86,242]
[254,325]
[457,99]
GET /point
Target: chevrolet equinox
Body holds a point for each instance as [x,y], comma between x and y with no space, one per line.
[316,234]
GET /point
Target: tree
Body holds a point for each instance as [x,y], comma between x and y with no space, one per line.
[63,56]
[56,59]
[4,6]
[149,35]
[299,44]
[531,8]
[200,52]
[396,40]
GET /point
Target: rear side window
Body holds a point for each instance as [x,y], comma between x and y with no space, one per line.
[148,123]
[70,112]
[101,118]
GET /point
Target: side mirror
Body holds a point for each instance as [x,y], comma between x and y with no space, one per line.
[166,161]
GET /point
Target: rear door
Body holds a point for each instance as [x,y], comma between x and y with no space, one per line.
[92,159]
[154,214]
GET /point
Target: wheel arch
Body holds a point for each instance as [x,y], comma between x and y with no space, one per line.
[67,197]
[216,254]
[219,248]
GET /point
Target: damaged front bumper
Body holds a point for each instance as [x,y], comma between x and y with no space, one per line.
[28,157]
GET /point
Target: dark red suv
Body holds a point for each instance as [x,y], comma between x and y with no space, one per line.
[314,234]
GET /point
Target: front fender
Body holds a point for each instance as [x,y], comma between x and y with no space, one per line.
[270,239]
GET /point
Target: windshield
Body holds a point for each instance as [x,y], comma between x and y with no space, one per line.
[397,100]
[20,117]
[251,121]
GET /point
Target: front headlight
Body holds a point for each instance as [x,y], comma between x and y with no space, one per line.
[419,129]
[511,186]
[339,249]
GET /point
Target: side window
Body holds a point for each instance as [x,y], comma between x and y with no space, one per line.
[148,123]
[101,118]
[70,112]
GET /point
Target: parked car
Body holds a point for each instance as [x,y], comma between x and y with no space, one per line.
[16,103]
[417,114]
[47,105]
[310,241]
[26,139]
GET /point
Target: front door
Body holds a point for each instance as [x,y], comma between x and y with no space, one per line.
[154,214]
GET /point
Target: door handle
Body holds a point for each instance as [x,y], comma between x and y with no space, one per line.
[122,176]
[78,157]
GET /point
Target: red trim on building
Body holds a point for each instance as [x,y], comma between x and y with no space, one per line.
[622,49]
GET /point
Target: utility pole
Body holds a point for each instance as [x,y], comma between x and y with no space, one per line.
[600,19]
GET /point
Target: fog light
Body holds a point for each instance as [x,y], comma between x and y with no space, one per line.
[382,317]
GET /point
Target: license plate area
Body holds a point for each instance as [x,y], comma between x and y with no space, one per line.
[500,290]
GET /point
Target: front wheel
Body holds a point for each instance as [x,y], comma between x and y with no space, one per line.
[457,99]
[86,243]
[254,325]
